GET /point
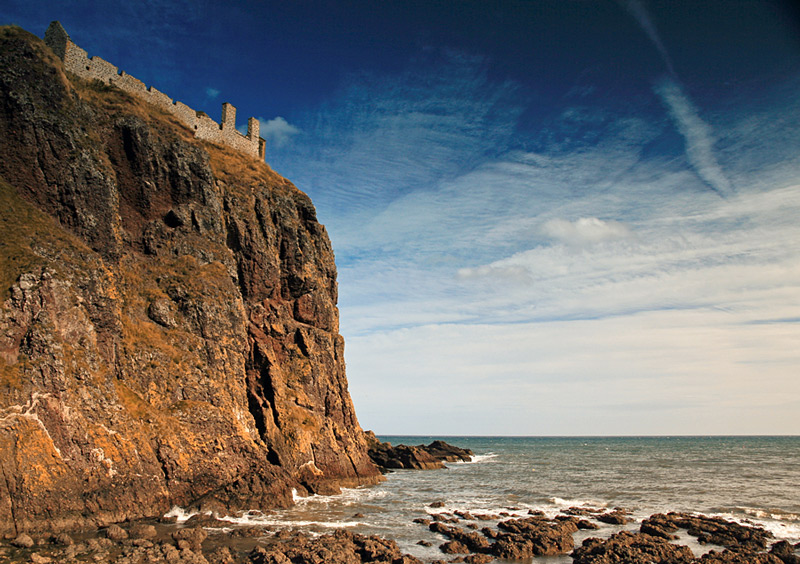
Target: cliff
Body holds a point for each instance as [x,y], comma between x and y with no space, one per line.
[168,328]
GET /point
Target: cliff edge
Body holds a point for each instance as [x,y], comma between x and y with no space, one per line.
[168,321]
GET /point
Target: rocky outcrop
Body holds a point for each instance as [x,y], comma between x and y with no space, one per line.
[168,321]
[708,530]
[628,548]
[420,457]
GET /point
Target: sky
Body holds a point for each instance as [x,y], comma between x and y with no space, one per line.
[550,217]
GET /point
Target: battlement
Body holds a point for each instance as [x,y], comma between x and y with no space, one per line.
[77,61]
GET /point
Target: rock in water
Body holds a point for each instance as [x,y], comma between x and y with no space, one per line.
[168,321]
[420,457]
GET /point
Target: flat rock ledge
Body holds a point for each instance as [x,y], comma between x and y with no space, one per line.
[420,457]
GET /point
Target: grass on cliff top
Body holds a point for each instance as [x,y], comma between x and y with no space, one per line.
[11,32]
[30,240]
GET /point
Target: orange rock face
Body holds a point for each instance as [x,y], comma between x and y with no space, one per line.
[168,329]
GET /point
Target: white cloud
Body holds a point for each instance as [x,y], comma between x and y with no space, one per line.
[585,231]
[597,283]
[212,93]
[278,132]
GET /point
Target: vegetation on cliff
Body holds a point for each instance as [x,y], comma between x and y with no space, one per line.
[168,327]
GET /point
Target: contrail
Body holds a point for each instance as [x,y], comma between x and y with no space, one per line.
[638,11]
[697,133]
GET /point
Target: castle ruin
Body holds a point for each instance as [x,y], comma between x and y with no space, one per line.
[77,61]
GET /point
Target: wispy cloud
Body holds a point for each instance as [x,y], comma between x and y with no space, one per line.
[212,93]
[585,231]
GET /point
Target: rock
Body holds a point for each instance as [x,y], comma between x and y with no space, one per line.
[715,530]
[454,547]
[190,538]
[160,311]
[37,558]
[616,517]
[422,521]
[116,533]
[179,303]
[62,539]
[479,559]
[143,531]
[629,548]
[23,541]
[659,525]
[222,555]
[418,457]
[534,536]
[785,551]
[435,504]
[424,543]
[738,557]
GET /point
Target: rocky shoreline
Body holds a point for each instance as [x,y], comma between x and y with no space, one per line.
[470,537]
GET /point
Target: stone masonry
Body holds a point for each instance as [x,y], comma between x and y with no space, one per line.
[77,61]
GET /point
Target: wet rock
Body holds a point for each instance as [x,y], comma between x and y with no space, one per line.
[479,559]
[422,521]
[420,457]
[62,539]
[738,557]
[116,533]
[785,551]
[534,536]
[454,547]
[143,531]
[659,525]
[474,542]
[616,517]
[190,538]
[631,548]
[716,530]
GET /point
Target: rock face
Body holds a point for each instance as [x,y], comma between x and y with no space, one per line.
[168,321]
[420,457]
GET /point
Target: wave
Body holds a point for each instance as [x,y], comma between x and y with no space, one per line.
[255,518]
[478,458]
[180,514]
[586,503]
[348,496]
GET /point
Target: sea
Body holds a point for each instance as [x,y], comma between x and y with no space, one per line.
[753,480]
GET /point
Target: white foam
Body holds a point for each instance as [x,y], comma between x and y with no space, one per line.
[180,514]
[348,496]
[477,458]
[587,503]
[254,519]
[781,524]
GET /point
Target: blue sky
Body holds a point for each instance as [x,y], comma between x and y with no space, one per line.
[549,217]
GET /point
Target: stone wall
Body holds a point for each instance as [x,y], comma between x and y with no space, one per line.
[77,61]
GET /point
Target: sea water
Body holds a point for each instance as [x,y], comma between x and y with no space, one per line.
[747,479]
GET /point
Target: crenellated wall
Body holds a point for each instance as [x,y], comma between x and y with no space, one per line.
[77,61]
